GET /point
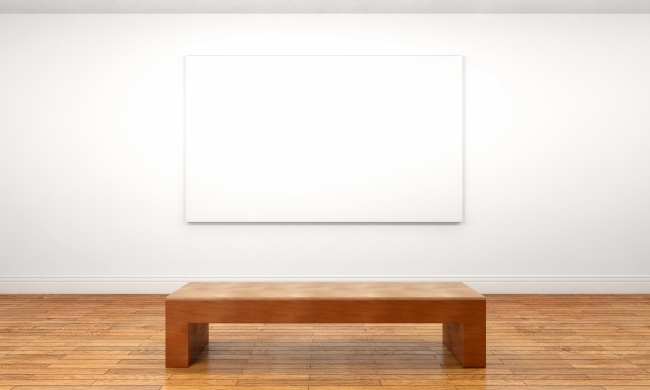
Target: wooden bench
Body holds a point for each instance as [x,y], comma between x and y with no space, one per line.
[191,309]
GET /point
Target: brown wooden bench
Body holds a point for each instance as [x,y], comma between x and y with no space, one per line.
[191,309]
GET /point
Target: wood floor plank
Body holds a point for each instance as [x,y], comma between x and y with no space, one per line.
[30,387]
[208,387]
[115,342]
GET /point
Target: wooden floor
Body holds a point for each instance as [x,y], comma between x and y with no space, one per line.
[117,342]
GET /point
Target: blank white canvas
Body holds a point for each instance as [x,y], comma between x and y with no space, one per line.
[324,138]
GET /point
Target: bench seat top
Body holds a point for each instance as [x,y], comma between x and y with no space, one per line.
[199,291]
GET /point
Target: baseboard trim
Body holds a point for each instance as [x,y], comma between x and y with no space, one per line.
[165,284]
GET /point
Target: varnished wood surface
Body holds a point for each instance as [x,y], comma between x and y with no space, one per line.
[323,290]
[320,303]
[181,346]
[117,342]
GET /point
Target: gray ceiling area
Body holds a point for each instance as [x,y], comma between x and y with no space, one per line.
[324,6]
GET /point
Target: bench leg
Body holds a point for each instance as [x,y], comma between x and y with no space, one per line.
[466,342]
[184,342]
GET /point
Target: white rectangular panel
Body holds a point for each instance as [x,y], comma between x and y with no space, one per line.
[324,138]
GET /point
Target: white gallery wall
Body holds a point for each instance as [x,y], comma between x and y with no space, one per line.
[556,161]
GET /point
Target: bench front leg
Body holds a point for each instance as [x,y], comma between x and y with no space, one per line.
[466,342]
[465,336]
[183,342]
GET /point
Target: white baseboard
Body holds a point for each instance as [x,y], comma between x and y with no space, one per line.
[163,284]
